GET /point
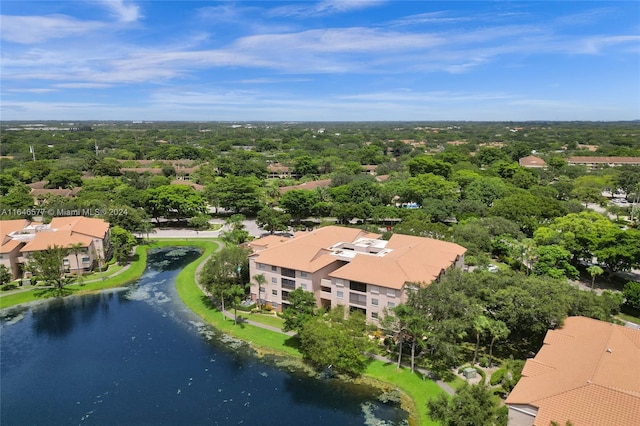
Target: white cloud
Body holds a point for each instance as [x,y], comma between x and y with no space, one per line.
[37,29]
[325,7]
[123,11]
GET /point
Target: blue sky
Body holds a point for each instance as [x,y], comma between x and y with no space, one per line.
[316,61]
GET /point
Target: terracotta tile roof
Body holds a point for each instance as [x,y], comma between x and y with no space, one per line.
[587,372]
[532,161]
[9,226]
[323,183]
[604,160]
[411,259]
[407,258]
[45,240]
[9,246]
[306,251]
[90,226]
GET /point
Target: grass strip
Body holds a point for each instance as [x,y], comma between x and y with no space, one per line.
[419,390]
[198,302]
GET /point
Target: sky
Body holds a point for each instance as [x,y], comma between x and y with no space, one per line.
[327,60]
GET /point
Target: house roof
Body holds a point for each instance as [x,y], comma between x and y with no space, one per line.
[64,238]
[405,258]
[90,226]
[410,259]
[9,226]
[306,251]
[604,160]
[587,372]
[532,161]
[194,185]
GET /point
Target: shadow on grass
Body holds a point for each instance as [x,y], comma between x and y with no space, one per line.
[53,292]
[293,342]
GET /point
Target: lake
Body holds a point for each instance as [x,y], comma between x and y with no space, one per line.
[138,356]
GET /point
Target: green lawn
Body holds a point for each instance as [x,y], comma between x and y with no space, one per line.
[412,384]
[628,313]
[266,319]
[195,299]
[134,272]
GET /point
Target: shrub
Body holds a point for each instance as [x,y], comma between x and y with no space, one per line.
[9,286]
[497,376]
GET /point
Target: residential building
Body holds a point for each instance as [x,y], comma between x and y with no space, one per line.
[532,162]
[21,238]
[280,171]
[599,162]
[349,267]
[587,372]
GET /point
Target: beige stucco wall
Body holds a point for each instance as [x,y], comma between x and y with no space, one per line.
[521,415]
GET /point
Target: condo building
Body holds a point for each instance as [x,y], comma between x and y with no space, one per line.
[348,267]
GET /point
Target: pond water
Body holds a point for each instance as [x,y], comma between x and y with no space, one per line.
[138,356]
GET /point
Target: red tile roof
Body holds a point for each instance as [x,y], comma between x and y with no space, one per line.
[587,372]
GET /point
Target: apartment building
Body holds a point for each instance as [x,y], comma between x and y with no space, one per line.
[594,163]
[349,267]
[21,238]
[587,373]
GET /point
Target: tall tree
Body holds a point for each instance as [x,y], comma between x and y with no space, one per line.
[48,265]
[472,405]
[301,309]
[273,220]
[260,280]
[123,242]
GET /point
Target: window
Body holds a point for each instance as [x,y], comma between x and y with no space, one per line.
[274,268]
[303,274]
[288,284]
[274,280]
[356,286]
[274,292]
[374,289]
[340,294]
[262,290]
[286,272]
[391,304]
[357,299]
[65,262]
[326,289]
[303,286]
[391,293]
[339,282]
[261,266]
[85,259]
[374,302]
[374,315]
[285,295]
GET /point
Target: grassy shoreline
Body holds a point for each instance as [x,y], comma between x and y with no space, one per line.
[382,375]
[416,391]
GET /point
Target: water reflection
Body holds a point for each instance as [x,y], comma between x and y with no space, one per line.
[138,356]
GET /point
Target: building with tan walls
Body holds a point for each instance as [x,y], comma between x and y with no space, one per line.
[349,267]
[20,238]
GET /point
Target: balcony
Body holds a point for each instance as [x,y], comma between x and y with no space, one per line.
[357,299]
[288,284]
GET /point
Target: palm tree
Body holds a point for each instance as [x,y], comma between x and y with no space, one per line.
[260,280]
[76,249]
[594,271]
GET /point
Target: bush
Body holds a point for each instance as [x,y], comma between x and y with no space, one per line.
[497,376]
[9,286]
[483,361]
[631,293]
